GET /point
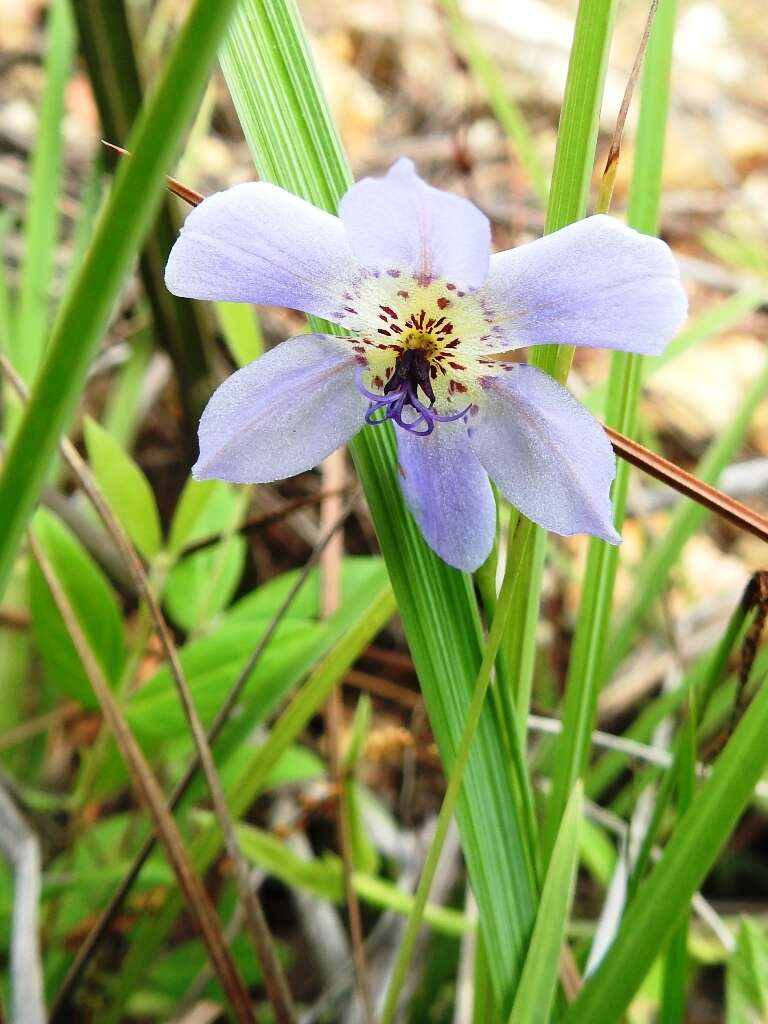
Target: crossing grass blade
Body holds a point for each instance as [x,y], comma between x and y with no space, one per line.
[137,190]
[285,120]
[585,669]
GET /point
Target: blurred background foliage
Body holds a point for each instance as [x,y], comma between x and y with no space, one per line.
[472,92]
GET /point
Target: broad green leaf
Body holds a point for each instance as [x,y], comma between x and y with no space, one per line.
[201,584]
[746,979]
[360,576]
[125,487]
[83,876]
[372,614]
[212,664]
[297,765]
[533,999]
[242,331]
[189,513]
[93,602]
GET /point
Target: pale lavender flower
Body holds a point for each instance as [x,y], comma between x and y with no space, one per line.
[407,270]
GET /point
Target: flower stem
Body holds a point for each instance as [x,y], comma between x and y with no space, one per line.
[515,560]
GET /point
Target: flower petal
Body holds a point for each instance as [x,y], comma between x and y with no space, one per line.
[258,243]
[399,223]
[449,494]
[595,282]
[548,456]
[281,414]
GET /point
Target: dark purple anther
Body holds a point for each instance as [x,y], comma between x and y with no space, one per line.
[401,393]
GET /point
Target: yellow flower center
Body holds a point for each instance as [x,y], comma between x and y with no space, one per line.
[422,340]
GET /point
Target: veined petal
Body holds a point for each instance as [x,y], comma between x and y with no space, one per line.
[281,414]
[258,243]
[398,223]
[449,494]
[548,456]
[595,282]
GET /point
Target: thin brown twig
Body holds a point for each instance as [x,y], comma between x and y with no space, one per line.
[274,978]
[99,930]
[16,619]
[334,476]
[605,192]
[182,191]
[688,485]
[151,795]
[41,723]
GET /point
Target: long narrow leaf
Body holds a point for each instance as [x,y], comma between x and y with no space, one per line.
[537,985]
[180,327]
[41,222]
[285,120]
[585,670]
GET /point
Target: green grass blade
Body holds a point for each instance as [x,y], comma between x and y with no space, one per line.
[42,218]
[664,897]
[534,997]
[686,519]
[506,111]
[746,990]
[703,678]
[137,191]
[572,173]
[585,673]
[180,326]
[579,118]
[286,122]
[515,561]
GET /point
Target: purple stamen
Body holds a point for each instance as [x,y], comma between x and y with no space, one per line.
[401,393]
